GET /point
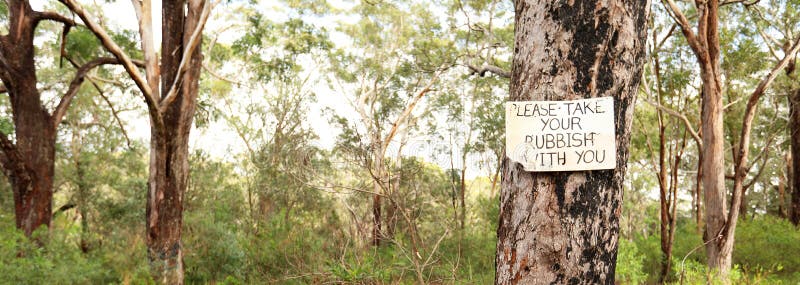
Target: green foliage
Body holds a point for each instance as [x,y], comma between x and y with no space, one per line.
[629,268]
[23,261]
[767,244]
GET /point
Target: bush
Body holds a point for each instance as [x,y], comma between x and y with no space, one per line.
[767,246]
[629,268]
[22,261]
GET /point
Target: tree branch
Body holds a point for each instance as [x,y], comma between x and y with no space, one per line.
[74,86]
[220,76]
[143,10]
[407,112]
[488,68]
[114,112]
[111,46]
[744,2]
[64,208]
[744,140]
[675,12]
[53,16]
[683,118]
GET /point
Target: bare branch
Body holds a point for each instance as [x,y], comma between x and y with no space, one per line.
[220,76]
[488,68]
[74,86]
[64,208]
[115,113]
[764,156]
[408,110]
[143,10]
[111,46]
[744,2]
[683,118]
[675,12]
[53,16]
[666,37]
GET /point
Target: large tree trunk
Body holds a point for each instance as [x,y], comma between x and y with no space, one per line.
[794,182]
[713,167]
[28,164]
[169,149]
[563,227]
[36,144]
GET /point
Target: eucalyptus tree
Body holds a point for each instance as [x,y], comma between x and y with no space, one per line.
[483,32]
[705,43]
[777,24]
[563,227]
[397,55]
[28,157]
[281,60]
[169,88]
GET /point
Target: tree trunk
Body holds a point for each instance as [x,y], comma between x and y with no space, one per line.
[562,227]
[377,221]
[794,169]
[781,196]
[698,191]
[33,195]
[713,166]
[28,164]
[462,193]
[169,148]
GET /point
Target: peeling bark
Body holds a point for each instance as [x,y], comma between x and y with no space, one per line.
[563,227]
[169,148]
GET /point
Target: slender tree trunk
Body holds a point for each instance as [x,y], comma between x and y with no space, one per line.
[496,176]
[377,221]
[794,169]
[169,149]
[665,198]
[563,227]
[462,193]
[82,185]
[781,196]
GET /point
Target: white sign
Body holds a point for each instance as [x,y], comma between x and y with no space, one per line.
[561,135]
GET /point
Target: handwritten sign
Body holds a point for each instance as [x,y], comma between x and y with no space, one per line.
[561,135]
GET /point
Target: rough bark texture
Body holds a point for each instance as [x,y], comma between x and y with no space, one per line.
[562,228]
[28,163]
[169,148]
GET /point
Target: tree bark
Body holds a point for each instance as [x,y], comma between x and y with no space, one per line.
[563,227]
[169,148]
[29,163]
